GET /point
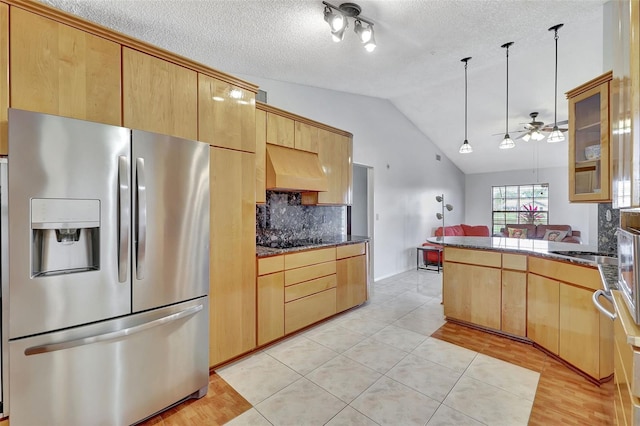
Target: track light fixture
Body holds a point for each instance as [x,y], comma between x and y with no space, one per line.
[556,135]
[336,17]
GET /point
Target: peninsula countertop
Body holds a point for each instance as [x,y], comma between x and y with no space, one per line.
[542,248]
[266,251]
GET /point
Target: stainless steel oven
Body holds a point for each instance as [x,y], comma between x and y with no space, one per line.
[628,271]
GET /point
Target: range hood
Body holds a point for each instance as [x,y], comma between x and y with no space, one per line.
[294,170]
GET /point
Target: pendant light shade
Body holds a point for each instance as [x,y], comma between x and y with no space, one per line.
[507,142]
[466,147]
[556,135]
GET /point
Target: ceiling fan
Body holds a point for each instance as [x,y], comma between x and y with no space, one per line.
[534,129]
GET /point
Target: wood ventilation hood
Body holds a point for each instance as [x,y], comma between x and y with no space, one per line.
[294,170]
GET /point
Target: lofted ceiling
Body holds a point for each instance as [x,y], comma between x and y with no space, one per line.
[416,66]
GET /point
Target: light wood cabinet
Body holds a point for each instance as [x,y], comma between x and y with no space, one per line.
[351,276]
[563,319]
[626,365]
[514,303]
[226,114]
[543,312]
[579,329]
[280,130]
[625,103]
[60,70]
[232,293]
[310,287]
[261,156]
[4,77]
[589,144]
[306,137]
[159,96]
[270,289]
[334,152]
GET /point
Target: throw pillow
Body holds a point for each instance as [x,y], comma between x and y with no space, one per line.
[554,235]
[517,232]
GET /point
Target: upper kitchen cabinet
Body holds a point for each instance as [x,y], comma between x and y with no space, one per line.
[280,130]
[335,152]
[57,69]
[625,105]
[306,137]
[4,76]
[226,115]
[589,148]
[159,96]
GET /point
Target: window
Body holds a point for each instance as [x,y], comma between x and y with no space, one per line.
[519,204]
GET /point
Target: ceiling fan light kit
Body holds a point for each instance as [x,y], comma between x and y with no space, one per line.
[466,147]
[336,17]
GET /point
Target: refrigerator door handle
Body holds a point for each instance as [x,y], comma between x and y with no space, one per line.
[141,222]
[123,218]
[113,335]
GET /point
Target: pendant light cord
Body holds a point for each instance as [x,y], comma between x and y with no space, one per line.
[465,99]
[506,113]
[555,112]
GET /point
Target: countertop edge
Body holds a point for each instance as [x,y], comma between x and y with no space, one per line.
[262,251]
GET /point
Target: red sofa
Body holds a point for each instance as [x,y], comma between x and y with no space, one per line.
[454,231]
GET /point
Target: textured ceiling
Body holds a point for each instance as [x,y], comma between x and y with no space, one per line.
[416,65]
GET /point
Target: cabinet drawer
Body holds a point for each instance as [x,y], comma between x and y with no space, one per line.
[305,258]
[473,257]
[310,309]
[517,262]
[582,276]
[269,265]
[349,250]
[307,288]
[298,275]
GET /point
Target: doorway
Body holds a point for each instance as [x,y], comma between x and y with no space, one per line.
[360,213]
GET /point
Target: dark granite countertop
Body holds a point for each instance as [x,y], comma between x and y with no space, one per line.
[609,276]
[263,251]
[541,248]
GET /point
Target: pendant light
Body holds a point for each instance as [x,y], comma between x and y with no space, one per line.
[556,135]
[507,142]
[465,148]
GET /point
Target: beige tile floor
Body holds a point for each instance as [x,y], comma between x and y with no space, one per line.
[377,365]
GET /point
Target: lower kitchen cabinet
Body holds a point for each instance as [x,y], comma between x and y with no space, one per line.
[626,365]
[232,291]
[471,292]
[301,288]
[351,276]
[543,312]
[562,318]
[514,303]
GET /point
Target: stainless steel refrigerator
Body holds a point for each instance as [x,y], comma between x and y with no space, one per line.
[108,271]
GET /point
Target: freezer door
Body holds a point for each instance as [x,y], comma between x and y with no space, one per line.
[116,372]
[68,244]
[171,220]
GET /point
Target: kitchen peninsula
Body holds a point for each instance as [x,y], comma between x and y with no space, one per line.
[530,290]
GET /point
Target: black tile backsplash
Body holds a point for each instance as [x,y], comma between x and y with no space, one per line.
[608,223]
[284,219]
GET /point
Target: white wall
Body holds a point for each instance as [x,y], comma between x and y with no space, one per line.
[407,176]
[583,217]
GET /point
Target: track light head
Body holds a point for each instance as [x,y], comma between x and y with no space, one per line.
[365,34]
[439,198]
[336,21]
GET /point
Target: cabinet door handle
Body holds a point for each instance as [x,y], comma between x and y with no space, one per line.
[596,302]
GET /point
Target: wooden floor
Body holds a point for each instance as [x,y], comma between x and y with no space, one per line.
[563,397]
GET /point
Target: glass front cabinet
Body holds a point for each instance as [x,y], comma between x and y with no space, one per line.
[589,141]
